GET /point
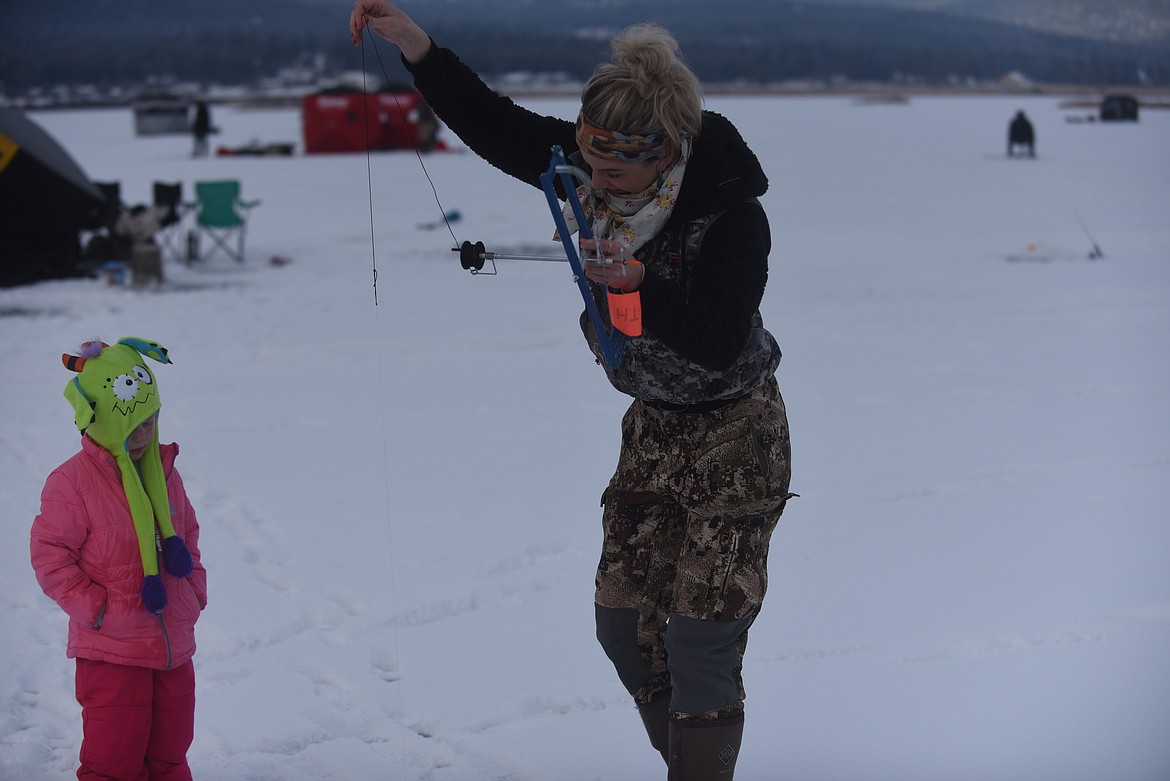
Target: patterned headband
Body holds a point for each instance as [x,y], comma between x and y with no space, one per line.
[616,145]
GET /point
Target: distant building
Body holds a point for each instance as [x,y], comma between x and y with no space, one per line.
[1119,108]
[156,114]
[1016,80]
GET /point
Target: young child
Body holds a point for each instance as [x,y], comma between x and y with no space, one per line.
[116,545]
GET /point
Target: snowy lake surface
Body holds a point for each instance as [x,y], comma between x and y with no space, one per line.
[399,502]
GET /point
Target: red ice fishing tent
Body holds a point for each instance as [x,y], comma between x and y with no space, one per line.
[45,201]
[394,118]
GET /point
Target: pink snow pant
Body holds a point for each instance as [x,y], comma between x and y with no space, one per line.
[137,723]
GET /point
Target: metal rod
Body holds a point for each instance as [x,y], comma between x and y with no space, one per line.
[473,257]
[505,256]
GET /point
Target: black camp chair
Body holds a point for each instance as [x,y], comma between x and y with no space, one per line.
[113,194]
[168,200]
[106,244]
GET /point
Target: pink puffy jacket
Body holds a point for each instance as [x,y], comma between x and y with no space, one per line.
[85,554]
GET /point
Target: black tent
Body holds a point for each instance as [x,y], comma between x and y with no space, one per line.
[45,200]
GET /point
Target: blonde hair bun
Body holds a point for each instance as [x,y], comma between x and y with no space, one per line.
[645,87]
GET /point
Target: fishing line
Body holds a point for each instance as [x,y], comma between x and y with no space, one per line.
[369,172]
[406,118]
[387,488]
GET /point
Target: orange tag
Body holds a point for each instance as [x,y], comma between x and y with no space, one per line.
[625,311]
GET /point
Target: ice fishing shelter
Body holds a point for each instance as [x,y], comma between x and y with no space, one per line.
[394,118]
[159,113]
[1119,108]
[45,201]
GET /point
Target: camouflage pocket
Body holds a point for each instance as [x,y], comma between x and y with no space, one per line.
[731,475]
[723,568]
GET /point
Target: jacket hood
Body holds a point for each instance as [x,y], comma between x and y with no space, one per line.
[722,171]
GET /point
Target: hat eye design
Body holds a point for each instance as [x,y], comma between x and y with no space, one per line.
[125,386]
[142,374]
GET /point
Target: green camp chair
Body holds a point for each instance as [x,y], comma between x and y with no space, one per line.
[222,216]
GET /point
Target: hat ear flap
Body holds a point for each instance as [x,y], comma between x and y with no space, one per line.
[83,409]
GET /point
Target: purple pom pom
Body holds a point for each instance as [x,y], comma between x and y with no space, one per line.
[154,596]
[91,349]
[176,557]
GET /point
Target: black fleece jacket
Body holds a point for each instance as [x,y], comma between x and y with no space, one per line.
[708,319]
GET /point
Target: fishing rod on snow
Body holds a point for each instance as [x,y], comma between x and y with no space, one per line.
[1095,253]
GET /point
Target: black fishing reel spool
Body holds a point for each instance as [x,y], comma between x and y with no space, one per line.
[473,257]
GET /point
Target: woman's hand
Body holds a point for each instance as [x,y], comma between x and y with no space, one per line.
[392,24]
[617,270]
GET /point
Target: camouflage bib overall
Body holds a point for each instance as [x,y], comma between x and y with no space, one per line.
[691,507]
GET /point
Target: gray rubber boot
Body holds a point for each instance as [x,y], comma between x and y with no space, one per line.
[656,716]
[704,750]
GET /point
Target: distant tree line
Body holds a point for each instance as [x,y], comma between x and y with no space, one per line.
[122,42]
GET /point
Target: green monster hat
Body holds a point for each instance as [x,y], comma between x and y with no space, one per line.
[113,393]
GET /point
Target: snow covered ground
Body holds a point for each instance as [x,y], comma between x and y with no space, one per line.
[400,502]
